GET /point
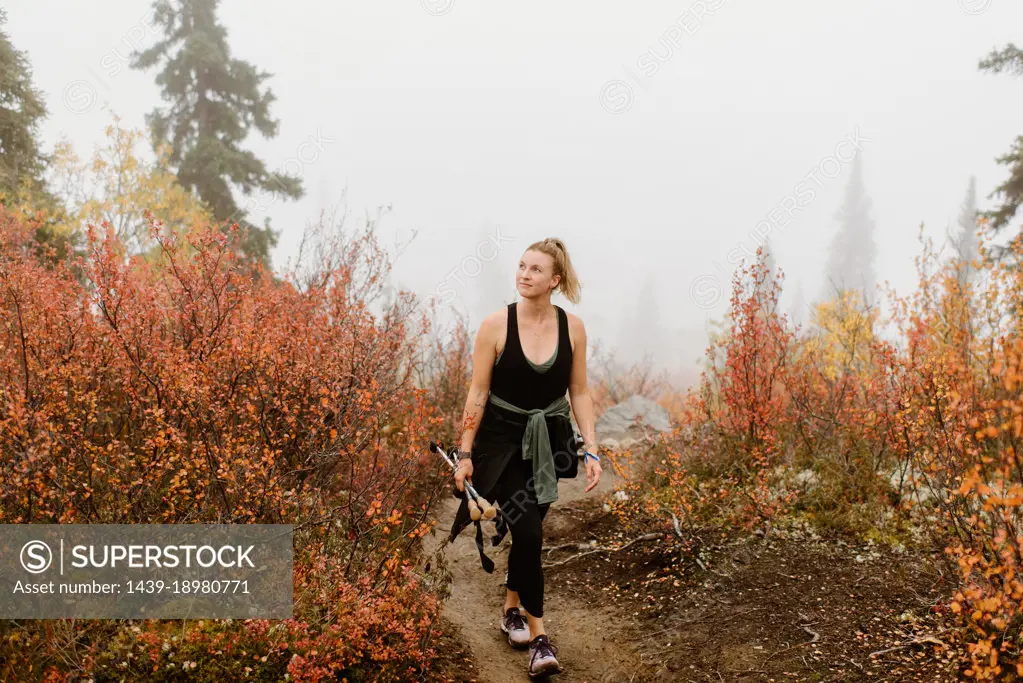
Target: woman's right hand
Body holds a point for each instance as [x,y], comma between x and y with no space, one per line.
[463,472]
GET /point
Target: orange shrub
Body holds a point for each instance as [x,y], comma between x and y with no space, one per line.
[445,375]
[841,409]
[717,464]
[931,420]
[182,391]
[959,424]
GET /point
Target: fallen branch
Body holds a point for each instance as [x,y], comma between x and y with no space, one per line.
[675,523]
[816,637]
[576,546]
[854,663]
[929,639]
[645,537]
[712,571]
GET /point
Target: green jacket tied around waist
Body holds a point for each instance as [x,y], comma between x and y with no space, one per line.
[536,444]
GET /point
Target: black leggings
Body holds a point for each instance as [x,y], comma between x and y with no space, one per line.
[516,496]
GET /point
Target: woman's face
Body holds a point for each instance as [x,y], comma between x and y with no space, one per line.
[536,274]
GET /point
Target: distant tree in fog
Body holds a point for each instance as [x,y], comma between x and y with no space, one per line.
[641,336]
[22,111]
[964,241]
[798,311]
[853,251]
[213,101]
[1009,59]
[488,270]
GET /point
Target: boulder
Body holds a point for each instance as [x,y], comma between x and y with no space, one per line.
[807,479]
[909,485]
[619,422]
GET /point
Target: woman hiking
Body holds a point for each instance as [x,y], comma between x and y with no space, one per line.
[518,439]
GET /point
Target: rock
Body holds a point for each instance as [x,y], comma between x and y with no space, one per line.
[619,422]
[913,488]
[610,444]
[742,557]
[807,479]
[621,495]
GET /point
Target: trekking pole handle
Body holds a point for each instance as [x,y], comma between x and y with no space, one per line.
[437,447]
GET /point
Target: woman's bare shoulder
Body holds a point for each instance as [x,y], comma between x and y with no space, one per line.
[576,329]
[497,319]
[574,322]
[494,324]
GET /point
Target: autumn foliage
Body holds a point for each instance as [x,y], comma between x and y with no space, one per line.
[175,387]
[178,390]
[959,406]
[867,435]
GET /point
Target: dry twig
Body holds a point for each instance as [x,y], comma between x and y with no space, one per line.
[929,639]
[645,537]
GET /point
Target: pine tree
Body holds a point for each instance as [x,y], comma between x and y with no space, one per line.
[213,100]
[23,165]
[1009,59]
[641,334]
[853,250]
[797,313]
[965,243]
[22,109]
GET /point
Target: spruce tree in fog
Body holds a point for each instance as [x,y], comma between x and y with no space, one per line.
[213,100]
[798,311]
[852,254]
[1009,59]
[640,336]
[22,162]
[964,241]
[21,111]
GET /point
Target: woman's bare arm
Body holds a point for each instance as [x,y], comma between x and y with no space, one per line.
[579,389]
[484,354]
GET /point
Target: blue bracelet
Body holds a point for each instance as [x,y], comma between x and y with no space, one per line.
[595,457]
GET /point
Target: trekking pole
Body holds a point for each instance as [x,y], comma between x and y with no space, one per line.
[478,506]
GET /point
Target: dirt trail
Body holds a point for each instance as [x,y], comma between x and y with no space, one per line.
[585,634]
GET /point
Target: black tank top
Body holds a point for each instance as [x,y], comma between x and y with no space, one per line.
[521,383]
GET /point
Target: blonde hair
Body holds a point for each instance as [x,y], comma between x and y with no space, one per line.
[569,284]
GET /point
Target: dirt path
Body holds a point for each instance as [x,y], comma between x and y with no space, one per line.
[583,633]
[789,605]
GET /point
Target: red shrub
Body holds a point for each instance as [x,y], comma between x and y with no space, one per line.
[183,391]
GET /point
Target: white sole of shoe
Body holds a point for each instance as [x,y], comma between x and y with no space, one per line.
[549,671]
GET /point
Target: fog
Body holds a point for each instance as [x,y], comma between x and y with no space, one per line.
[654,137]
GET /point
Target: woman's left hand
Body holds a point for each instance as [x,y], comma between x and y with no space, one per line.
[593,471]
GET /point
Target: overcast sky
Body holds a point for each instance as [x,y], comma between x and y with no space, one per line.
[652,137]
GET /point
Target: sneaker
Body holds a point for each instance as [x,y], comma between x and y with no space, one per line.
[541,657]
[514,624]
